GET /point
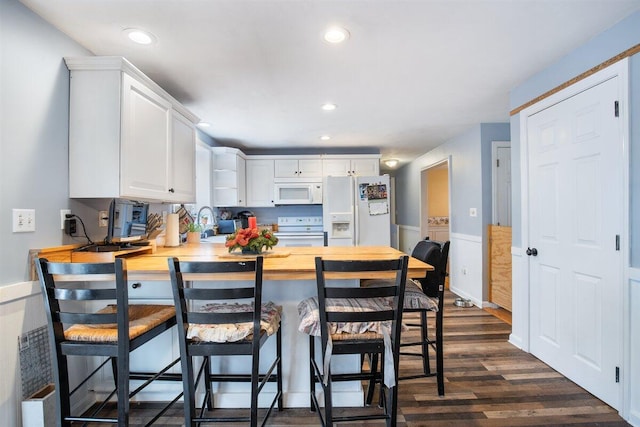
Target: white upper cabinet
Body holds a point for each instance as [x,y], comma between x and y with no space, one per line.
[182,185]
[351,165]
[260,188]
[127,137]
[298,168]
[229,181]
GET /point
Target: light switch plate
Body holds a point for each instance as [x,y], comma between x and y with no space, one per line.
[473,212]
[24,220]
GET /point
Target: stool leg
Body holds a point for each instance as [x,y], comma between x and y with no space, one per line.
[424,329]
[373,361]
[207,381]
[279,367]
[439,354]
[312,374]
[189,390]
[123,388]
[61,377]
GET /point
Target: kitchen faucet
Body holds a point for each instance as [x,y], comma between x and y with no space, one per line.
[213,218]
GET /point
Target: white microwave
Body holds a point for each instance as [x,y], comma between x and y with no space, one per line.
[298,193]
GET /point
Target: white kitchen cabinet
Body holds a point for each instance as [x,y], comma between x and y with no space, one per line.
[298,168]
[182,163]
[127,137]
[229,181]
[260,188]
[350,166]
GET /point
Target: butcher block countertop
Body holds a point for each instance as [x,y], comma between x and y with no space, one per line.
[280,263]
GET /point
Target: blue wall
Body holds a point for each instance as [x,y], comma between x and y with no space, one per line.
[623,36]
[34,117]
[470,170]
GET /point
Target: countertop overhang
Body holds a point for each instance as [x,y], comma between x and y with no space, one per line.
[299,264]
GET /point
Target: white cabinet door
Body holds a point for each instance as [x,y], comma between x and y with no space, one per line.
[298,168]
[336,167]
[286,168]
[365,167]
[182,160]
[310,168]
[144,157]
[242,182]
[260,182]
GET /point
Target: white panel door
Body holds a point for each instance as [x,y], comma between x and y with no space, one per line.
[575,213]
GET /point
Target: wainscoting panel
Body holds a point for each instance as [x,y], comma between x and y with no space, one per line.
[520,300]
[465,267]
[408,237]
[633,378]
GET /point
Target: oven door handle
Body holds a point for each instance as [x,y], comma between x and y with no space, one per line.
[300,237]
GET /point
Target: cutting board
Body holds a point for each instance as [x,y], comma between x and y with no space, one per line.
[266,254]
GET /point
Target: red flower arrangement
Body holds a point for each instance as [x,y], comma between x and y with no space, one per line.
[251,240]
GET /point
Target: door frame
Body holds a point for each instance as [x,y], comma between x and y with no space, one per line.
[521,321]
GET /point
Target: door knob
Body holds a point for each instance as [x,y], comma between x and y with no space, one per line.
[532,252]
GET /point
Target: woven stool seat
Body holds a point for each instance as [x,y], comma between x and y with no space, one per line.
[142,318]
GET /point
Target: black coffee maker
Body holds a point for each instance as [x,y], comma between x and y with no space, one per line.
[244,217]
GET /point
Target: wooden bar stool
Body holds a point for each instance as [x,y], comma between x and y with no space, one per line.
[356,320]
[112,332]
[425,295]
[225,326]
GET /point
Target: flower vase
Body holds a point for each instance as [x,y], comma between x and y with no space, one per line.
[193,237]
[249,251]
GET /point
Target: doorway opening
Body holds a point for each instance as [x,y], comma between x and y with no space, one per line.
[435,204]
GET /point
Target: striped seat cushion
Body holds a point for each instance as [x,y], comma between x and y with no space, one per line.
[414,297]
[309,317]
[233,332]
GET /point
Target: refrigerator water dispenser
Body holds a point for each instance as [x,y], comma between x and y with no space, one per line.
[341,226]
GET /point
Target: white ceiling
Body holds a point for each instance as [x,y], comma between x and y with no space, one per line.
[412,75]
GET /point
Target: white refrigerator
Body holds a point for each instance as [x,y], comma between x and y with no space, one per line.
[355,210]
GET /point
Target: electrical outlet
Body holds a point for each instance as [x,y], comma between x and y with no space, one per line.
[464,271]
[24,220]
[103,219]
[70,226]
[473,212]
[63,213]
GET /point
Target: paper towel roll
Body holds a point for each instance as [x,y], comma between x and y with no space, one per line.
[172,234]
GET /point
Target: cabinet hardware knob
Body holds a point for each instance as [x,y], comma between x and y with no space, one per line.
[136,285]
[171,190]
[532,252]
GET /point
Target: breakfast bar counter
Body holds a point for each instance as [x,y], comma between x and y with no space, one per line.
[280,263]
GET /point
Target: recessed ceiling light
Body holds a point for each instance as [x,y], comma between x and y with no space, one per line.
[391,163]
[336,35]
[204,124]
[329,107]
[325,137]
[140,36]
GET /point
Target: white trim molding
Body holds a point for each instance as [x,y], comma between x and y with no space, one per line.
[18,291]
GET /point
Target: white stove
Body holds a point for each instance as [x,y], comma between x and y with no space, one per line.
[300,231]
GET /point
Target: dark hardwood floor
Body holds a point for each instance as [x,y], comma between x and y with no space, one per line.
[488,382]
